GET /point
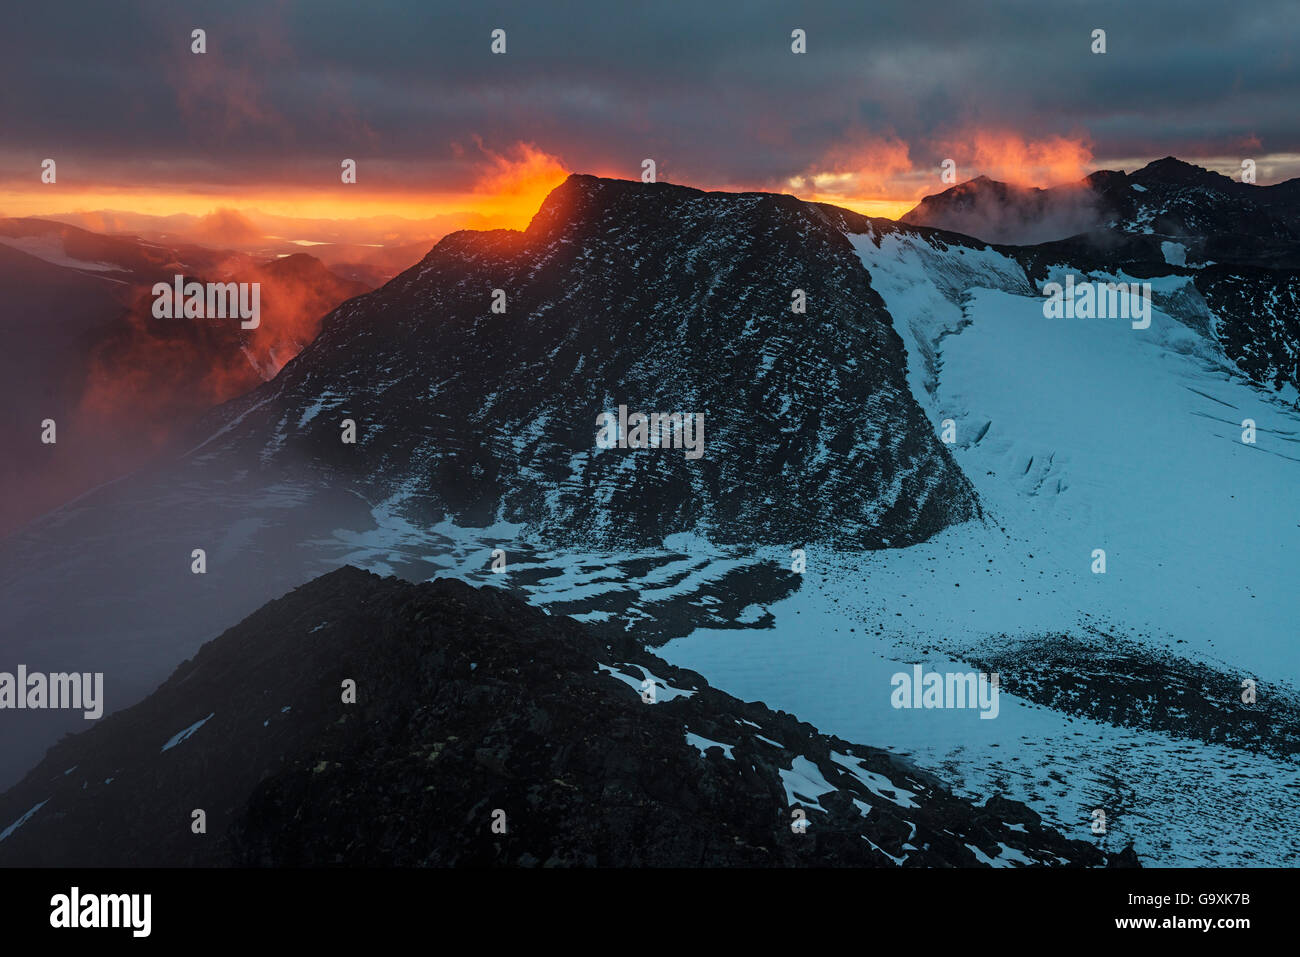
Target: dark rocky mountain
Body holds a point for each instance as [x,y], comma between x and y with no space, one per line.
[1179,199]
[1006,213]
[1260,313]
[469,703]
[657,297]
[1168,198]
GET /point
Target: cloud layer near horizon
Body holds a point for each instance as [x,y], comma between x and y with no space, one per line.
[712,91]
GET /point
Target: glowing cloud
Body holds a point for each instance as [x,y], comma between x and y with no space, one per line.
[1011,158]
[861,174]
[511,187]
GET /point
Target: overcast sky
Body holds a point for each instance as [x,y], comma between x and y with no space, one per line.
[711,90]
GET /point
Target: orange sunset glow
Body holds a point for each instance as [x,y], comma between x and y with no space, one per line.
[505,192]
[1015,159]
[876,176]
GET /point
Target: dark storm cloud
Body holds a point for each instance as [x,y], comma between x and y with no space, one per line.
[709,89]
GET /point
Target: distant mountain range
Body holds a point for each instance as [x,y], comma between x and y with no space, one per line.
[369,250]
[1167,197]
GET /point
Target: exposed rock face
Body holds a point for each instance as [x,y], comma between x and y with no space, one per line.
[1260,327]
[468,703]
[1167,197]
[657,297]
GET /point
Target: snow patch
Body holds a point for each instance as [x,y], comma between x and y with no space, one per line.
[22,820]
[180,736]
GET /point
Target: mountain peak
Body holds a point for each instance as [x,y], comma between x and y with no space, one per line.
[294,262]
[589,199]
[1170,163]
[569,201]
[606,262]
[1173,171]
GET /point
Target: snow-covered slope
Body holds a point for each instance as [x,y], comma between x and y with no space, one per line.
[1124,688]
[1240,243]
[1085,434]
